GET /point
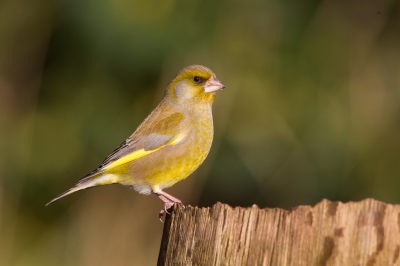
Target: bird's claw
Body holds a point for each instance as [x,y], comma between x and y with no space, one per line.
[166,207]
[160,215]
[165,210]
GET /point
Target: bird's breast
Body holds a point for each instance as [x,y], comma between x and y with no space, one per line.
[171,164]
[194,148]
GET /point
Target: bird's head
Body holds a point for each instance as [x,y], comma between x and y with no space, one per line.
[194,83]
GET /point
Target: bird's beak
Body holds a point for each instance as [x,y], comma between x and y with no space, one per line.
[213,84]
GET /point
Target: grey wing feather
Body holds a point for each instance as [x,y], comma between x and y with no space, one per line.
[153,141]
[123,149]
[130,145]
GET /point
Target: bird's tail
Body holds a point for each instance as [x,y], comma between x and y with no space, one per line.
[69,191]
[88,182]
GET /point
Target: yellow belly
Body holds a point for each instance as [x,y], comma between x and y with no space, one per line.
[167,166]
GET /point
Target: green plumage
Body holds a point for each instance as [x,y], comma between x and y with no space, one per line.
[169,144]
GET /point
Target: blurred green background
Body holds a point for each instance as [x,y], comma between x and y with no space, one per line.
[311,111]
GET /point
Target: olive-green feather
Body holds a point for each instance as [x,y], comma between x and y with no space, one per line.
[169,144]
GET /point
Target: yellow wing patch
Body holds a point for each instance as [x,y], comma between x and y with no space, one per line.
[130,157]
[177,139]
[142,152]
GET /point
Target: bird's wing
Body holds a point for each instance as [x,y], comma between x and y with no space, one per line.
[159,130]
[153,134]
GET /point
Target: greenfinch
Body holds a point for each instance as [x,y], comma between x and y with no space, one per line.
[171,143]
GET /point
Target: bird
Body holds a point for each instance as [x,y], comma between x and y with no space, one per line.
[170,143]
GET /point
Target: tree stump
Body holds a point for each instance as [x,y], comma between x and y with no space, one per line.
[330,233]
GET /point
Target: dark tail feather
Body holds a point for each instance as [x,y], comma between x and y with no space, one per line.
[69,191]
[79,186]
[87,182]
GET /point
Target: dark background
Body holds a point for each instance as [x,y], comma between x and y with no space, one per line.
[311,111]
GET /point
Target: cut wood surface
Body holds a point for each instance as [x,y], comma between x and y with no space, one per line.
[330,233]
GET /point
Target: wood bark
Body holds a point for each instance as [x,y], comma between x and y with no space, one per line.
[330,233]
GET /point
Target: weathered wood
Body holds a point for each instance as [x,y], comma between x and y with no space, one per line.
[330,233]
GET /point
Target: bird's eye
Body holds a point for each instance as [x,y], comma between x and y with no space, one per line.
[197,79]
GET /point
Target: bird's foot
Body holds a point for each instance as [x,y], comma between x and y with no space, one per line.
[169,201]
[166,207]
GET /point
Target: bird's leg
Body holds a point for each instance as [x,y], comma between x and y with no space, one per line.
[168,202]
[168,196]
